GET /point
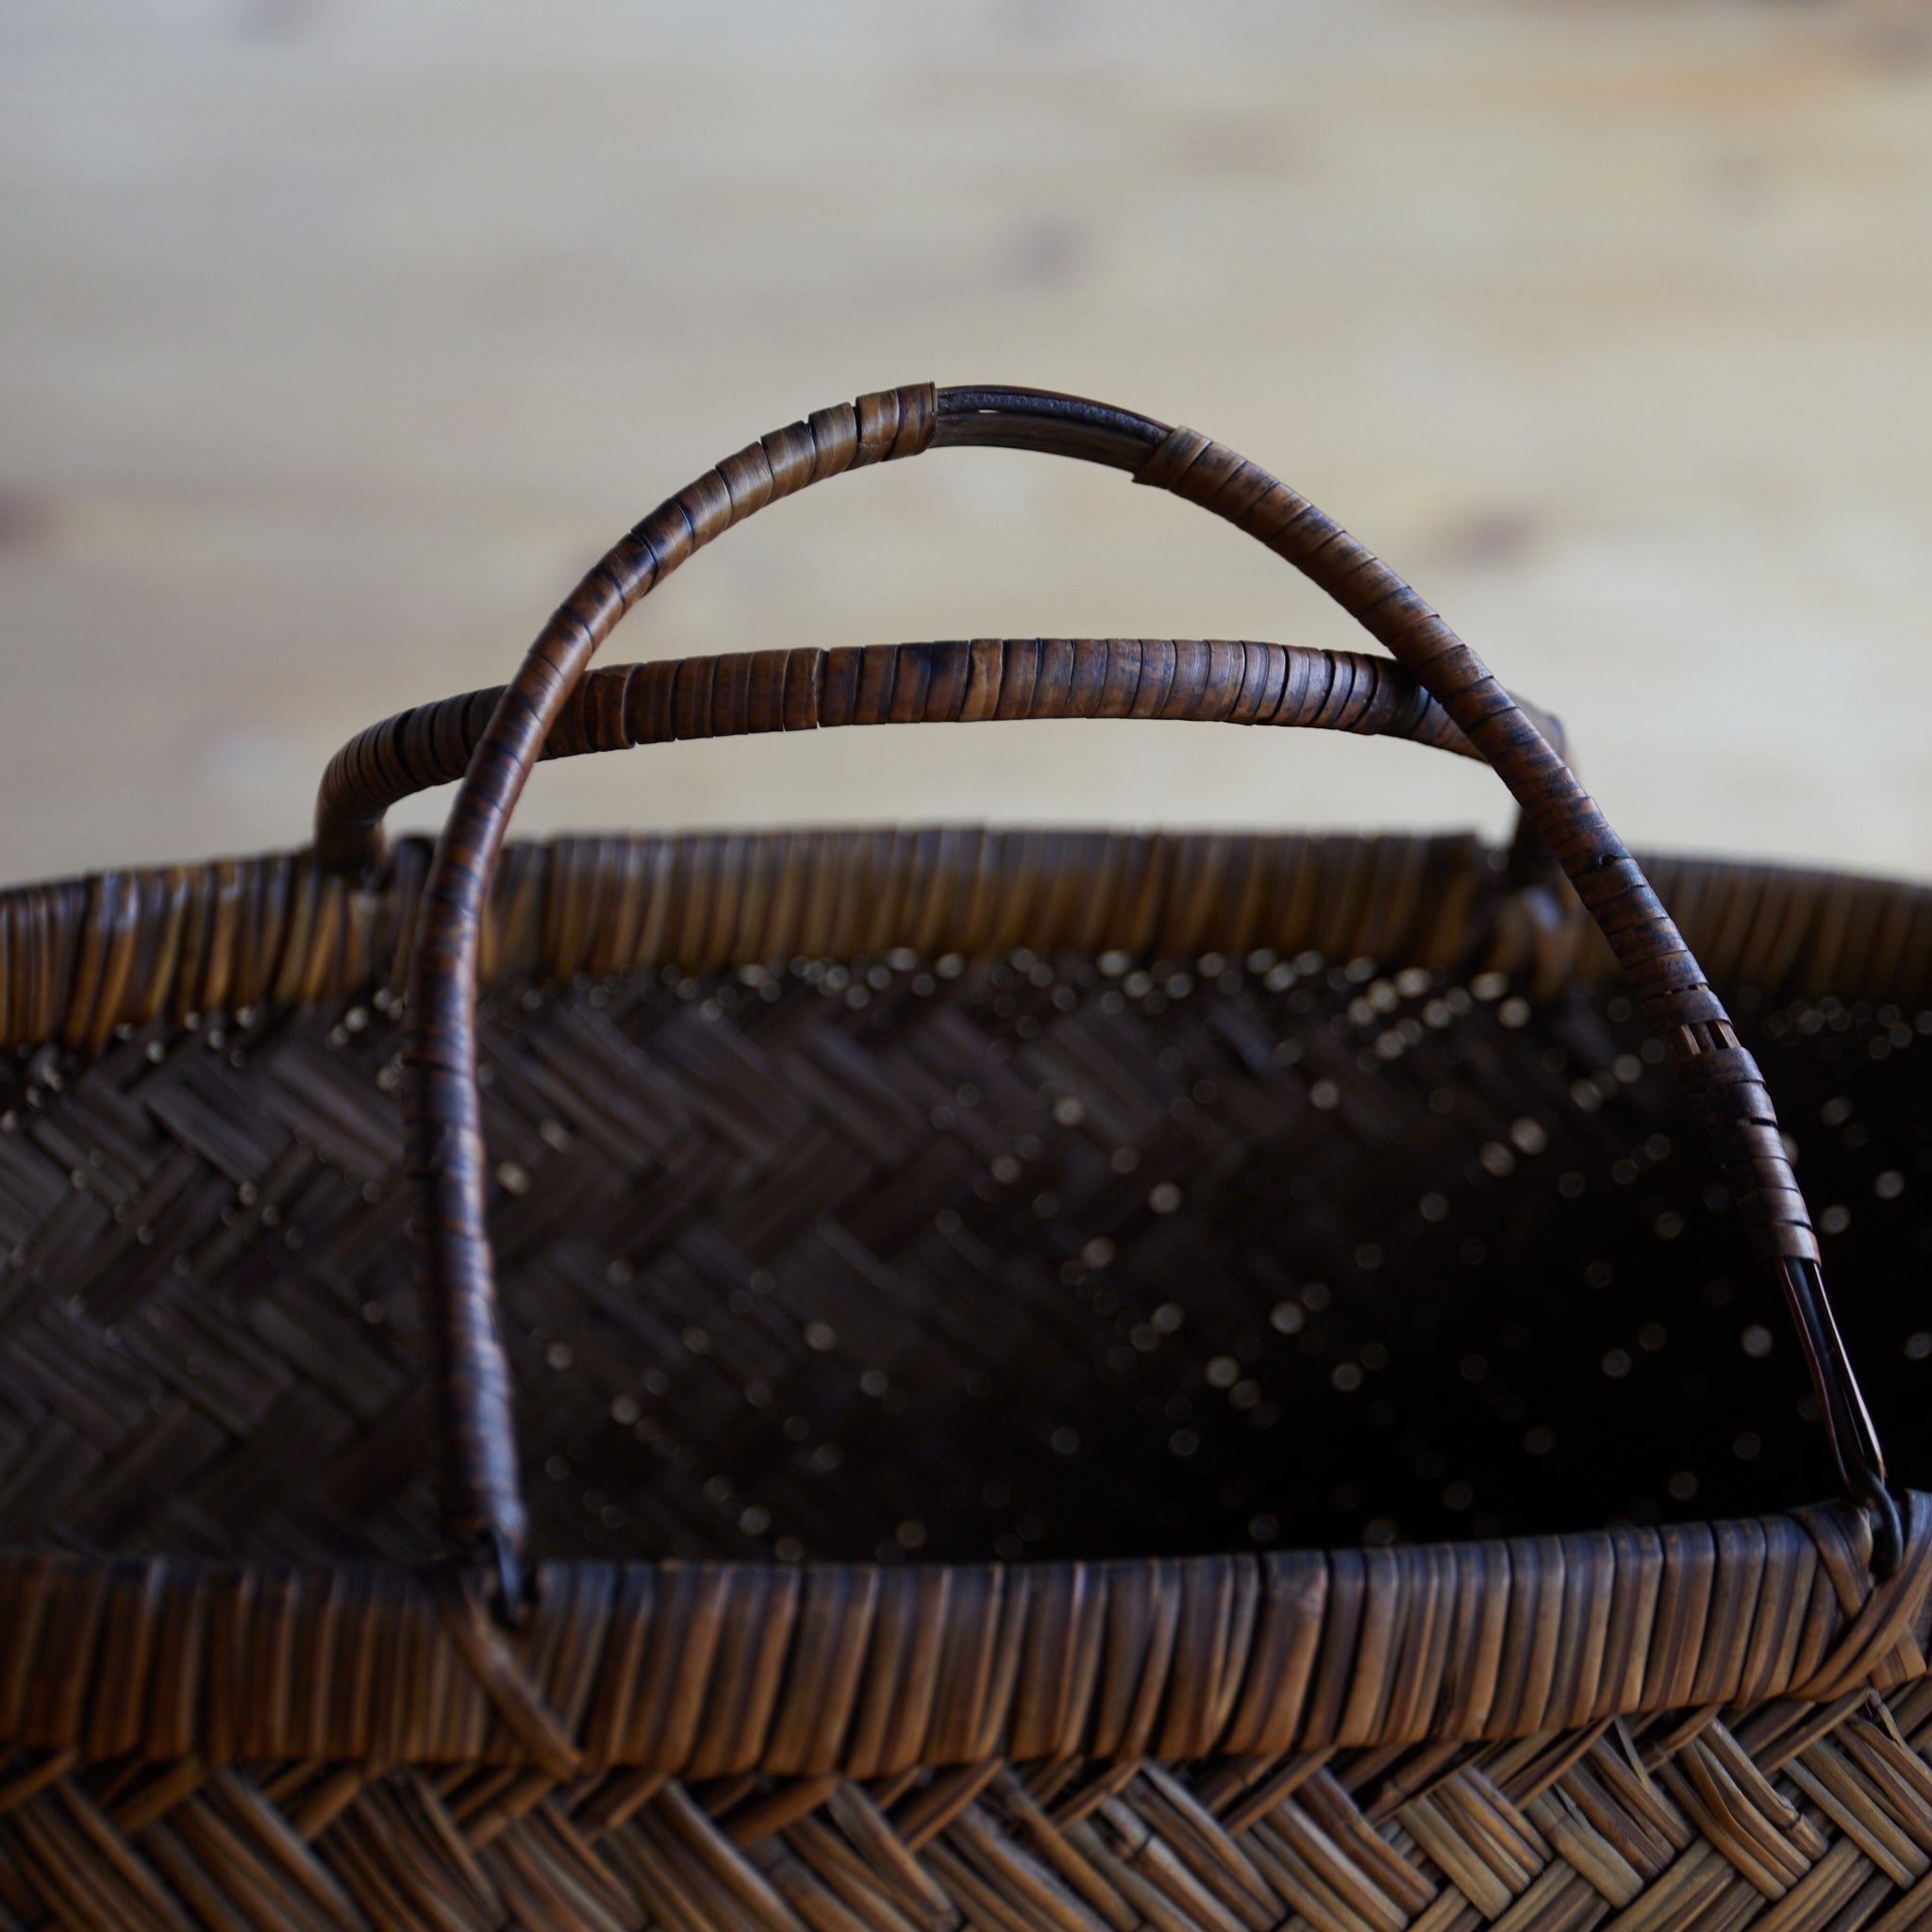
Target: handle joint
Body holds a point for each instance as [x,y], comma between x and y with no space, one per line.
[508,1587]
[1848,1424]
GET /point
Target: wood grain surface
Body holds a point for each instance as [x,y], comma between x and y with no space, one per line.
[335,340]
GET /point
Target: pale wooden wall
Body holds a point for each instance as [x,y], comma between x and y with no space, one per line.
[334,338]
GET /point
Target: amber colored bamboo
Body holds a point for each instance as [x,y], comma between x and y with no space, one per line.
[1702,1725]
[1710,1723]
[616,708]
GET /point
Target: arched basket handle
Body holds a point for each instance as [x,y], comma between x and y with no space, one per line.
[483,1512]
[617,707]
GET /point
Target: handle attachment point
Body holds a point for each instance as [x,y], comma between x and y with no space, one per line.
[510,1589]
[1847,1421]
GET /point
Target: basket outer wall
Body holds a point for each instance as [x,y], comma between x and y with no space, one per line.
[1675,1726]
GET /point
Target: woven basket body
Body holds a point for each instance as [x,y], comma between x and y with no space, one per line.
[1066,1380]
[1128,1217]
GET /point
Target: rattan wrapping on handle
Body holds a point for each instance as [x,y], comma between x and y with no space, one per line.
[482,1502]
[616,708]
[483,1506]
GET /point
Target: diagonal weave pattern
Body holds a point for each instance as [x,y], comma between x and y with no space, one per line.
[1699,1725]
[221,1787]
[888,1256]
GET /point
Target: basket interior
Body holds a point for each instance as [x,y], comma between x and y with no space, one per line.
[1053,1255]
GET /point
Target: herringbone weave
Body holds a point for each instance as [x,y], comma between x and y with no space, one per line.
[932,1207]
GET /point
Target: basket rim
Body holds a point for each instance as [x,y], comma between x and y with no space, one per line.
[712,1669]
[84,954]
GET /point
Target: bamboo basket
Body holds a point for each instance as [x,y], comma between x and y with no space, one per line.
[1066,1380]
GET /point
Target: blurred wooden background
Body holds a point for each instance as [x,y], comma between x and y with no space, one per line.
[337,336]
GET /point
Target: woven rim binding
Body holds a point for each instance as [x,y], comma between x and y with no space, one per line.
[715,1670]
